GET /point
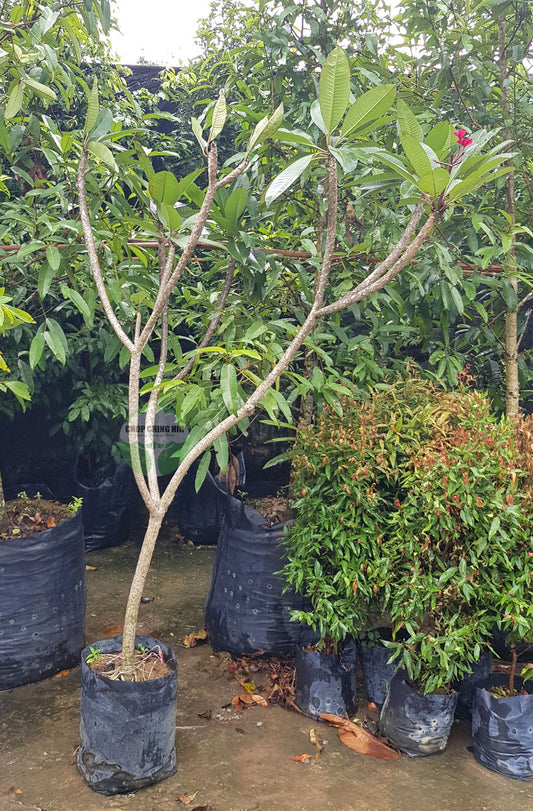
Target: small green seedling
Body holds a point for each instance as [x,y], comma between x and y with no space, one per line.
[94,655]
[75,505]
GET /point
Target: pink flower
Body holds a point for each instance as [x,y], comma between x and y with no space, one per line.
[462,140]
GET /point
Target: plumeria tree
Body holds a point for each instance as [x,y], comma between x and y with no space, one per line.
[220,383]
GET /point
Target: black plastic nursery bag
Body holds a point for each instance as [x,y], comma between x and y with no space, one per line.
[42,603]
[246,610]
[106,497]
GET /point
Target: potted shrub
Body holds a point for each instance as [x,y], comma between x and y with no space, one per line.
[42,590]
[502,709]
[408,512]
[345,479]
[42,569]
[459,548]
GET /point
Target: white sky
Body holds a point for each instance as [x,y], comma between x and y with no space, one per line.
[162,31]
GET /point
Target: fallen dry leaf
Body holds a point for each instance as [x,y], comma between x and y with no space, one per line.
[114,629]
[315,739]
[90,568]
[61,673]
[187,799]
[51,522]
[193,638]
[301,758]
[359,739]
[372,705]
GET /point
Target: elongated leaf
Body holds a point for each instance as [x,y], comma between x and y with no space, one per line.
[464,187]
[53,257]
[103,153]
[316,117]
[435,182]
[56,345]
[169,216]
[228,387]
[164,188]
[197,130]
[286,178]
[14,101]
[20,390]
[368,107]
[81,304]
[46,277]
[201,472]
[221,447]
[394,163]
[457,300]
[266,128]
[36,349]
[408,121]
[334,88]
[415,154]
[42,90]
[93,108]
[440,138]
[219,116]
[235,205]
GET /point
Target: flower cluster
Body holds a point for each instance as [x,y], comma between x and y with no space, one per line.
[462,139]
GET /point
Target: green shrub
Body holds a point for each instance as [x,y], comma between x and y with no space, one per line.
[412,510]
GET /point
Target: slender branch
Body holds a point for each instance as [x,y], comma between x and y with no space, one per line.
[93,253]
[402,253]
[164,269]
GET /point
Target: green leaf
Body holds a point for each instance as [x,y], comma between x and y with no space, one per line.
[92,108]
[228,387]
[415,154]
[286,178]
[408,121]
[463,187]
[266,127]
[221,447]
[14,101]
[393,162]
[81,304]
[169,216]
[42,90]
[440,138]
[235,206]
[201,472]
[458,300]
[36,349]
[435,182]
[46,277]
[219,116]
[103,153]
[53,257]
[197,130]
[20,390]
[368,107]
[164,188]
[334,88]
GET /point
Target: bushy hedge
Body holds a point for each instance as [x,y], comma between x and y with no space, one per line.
[411,507]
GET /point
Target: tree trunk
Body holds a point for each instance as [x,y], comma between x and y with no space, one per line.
[512,393]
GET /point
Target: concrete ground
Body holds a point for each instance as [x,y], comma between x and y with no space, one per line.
[228,763]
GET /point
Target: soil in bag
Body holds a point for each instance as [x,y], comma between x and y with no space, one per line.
[127,728]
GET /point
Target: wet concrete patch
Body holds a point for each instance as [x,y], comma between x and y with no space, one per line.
[235,761]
